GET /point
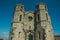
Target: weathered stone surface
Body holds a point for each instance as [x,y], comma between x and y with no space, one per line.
[33,25]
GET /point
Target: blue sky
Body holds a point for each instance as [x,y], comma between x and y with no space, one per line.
[7,8]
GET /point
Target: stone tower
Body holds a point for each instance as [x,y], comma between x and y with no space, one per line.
[34,25]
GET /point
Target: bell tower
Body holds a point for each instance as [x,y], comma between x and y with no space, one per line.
[43,22]
[17,23]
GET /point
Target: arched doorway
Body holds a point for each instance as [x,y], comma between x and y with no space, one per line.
[30,37]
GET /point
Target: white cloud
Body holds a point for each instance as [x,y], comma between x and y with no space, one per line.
[5,35]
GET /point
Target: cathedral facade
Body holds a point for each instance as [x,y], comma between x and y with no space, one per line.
[31,25]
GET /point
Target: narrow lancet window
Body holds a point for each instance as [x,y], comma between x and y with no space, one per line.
[38,17]
[44,34]
[46,16]
[20,17]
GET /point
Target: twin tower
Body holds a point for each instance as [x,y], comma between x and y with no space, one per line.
[34,25]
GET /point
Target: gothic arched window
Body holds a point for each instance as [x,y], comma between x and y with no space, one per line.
[20,17]
[47,16]
[38,17]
